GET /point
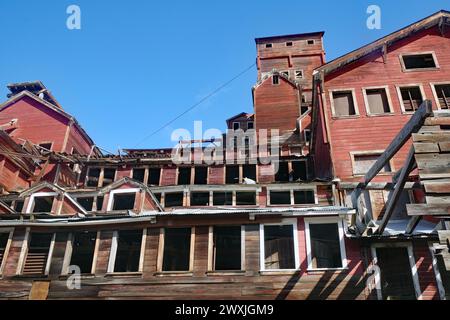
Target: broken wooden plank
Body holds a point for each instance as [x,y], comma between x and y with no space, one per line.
[428,209]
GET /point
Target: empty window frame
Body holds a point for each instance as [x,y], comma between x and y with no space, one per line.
[86,202]
[38,254]
[126,251]
[93,177]
[310,42]
[280,197]
[249,171]
[268,45]
[411,97]
[122,199]
[282,175]
[304,197]
[325,244]
[83,248]
[304,109]
[364,161]
[46,145]
[222,198]
[100,177]
[177,249]
[298,74]
[139,174]
[184,175]
[275,79]
[285,73]
[377,100]
[236,125]
[41,202]
[18,205]
[232,174]
[419,61]
[289,44]
[250,125]
[199,198]
[227,248]
[109,175]
[442,94]
[279,246]
[307,135]
[174,199]
[201,175]
[4,246]
[343,103]
[154,176]
[245,198]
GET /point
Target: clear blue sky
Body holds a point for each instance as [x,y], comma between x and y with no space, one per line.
[135,65]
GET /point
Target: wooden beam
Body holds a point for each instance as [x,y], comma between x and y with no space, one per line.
[423,209]
[399,186]
[412,224]
[413,125]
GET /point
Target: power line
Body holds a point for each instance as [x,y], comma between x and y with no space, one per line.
[197,103]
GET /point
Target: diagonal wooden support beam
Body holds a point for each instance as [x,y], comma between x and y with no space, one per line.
[399,186]
[412,224]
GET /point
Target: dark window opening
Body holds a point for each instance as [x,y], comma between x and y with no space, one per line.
[343,104]
[250,125]
[304,109]
[139,174]
[289,44]
[232,174]
[377,101]
[86,203]
[249,171]
[18,205]
[177,247]
[299,74]
[108,176]
[43,204]
[419,61]
[325,245]
[184,175]
[100,203]
[364,162]
[227,248]
[46,145]
[285,73]
[83,246]
[279,247]
[299,170]
[4,237]
[307,135]
[412,98]
[128,251]
[443,94]
[93,177]
[275,80]
[37,254]
[8,203]
[154,175]
[282,174]
[304,197]
[245,198]
[223,198]
[236,125]
[123,201]
[280,197]
[173,199]
[310,42]
[200,199]
[201,175]
[158,197]
[268,45]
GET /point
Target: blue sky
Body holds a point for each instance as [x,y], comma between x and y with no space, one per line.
[135,65]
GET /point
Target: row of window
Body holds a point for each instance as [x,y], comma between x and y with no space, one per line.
[291,43]
[279,249]
[378,100]
[295,74]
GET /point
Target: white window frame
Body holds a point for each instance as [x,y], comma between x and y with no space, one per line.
[284,222]
[113,252]
[38,195]
[433,90]
[119,191]
[412,263]
[366,101]
[299,70]
[402,63]
[10,231]
[326,220]
[69,251]
[355,103]
[399,94]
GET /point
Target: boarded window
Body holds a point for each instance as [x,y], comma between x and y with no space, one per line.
[43,204]
[279,247]
[280,197]
[128,251]
[343,103]
[227,248]
[245,198]
[93,177]
[86,203]
[249,171]
[231,174]
[108,176]
[304,197]
[411,98]
[325,245]
[200,199]
[18,205]
[377,101]
[123,201]
[419,61]
[364,162]
[3,243]
[177,247]
[184,176]
[282,174]
[83,246]
[201,175]
[396,276]
[139,174]
[173,199]
[223,198]
[37,255]
[299,170]
[443,94]
[154,175]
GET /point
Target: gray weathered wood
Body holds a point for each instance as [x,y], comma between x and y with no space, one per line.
[428,209]
[412,224]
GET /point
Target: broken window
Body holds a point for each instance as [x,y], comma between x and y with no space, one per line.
[173,199]
[46,146]
[177,247]
[275,80]
[123,201]
[411,98]
[299,170]
[200,199]
[18,205]
[343,103]
[223,198]
[37,255]
[139,174]
[154,175]
[363,162]
[285,73]
[280,197]
[443,94]
[87,203]
[304,197]
[231,174]
[201,175]
[184,175]
[279,247]
[250,125]
[282,174]
[93,177]
[108,176]
[268,45]
[43,204]
[227,248]
[419,61]
[325,245]
[245,198]
[4,237]
[236,125]
[249,171]
[304,109]
[377,101]
[128,251]
[83,246]
[298,74]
